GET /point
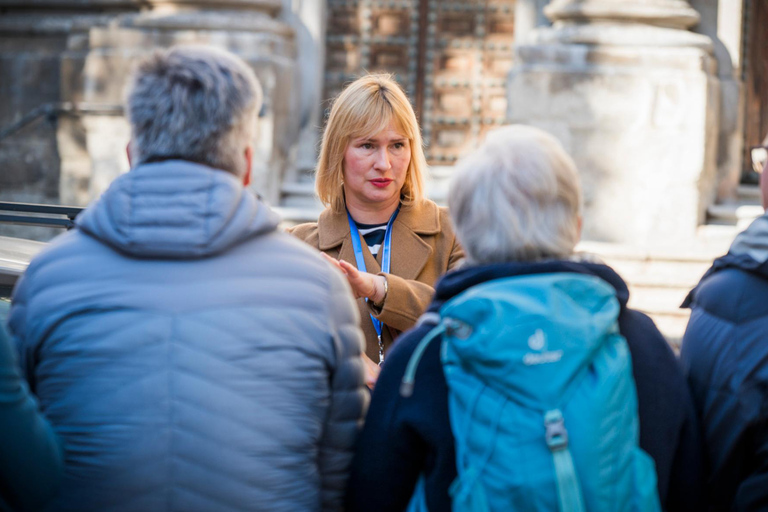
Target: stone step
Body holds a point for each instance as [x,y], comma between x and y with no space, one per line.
[659,278]
[296,215]
[661,274]
[299,202]
[749,193]
[654,300]
[739,212]
[721,233]
[303,188]
[302,202]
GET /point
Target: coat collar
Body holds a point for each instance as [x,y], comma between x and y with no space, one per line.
[411,253]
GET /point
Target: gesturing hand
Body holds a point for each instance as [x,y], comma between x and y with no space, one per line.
[371,371]
[364,284]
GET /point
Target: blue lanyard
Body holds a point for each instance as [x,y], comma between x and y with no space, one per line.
[386,249]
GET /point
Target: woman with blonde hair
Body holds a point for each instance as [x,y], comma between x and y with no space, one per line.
[377,228]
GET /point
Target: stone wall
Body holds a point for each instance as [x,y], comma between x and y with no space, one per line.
[634,96]
[75,57]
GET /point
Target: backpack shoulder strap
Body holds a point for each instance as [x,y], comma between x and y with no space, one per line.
[428,318]
[568,487]
[406,386]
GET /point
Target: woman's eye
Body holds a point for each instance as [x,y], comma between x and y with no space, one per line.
[399,145]
[366,145]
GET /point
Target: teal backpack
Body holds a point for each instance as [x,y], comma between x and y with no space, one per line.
[542,401]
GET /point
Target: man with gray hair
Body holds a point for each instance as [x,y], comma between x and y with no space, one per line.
[190,354]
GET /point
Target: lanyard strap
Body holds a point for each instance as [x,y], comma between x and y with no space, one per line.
[386,256]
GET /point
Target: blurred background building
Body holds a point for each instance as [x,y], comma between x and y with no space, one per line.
[658,101]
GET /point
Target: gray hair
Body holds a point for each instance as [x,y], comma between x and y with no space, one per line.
[193,103]
[516,198]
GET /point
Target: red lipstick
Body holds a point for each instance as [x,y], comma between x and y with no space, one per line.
[381,182]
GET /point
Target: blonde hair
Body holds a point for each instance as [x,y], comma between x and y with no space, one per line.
[516,198]
[365,108]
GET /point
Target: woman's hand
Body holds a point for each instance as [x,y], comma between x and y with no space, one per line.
[364,284]
[371,371]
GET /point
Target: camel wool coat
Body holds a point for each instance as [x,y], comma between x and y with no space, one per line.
[424,247]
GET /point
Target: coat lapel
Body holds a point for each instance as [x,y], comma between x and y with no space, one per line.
[333,229]
[409,252]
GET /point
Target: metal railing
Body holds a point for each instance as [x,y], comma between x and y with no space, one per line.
[41,215]
[53,110]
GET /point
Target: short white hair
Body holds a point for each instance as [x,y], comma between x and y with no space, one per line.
[516,198]
[196,103]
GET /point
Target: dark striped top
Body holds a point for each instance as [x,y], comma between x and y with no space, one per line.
[373,235]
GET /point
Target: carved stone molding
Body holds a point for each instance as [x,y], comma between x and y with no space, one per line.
[269,6]
[663,13]
[660,23]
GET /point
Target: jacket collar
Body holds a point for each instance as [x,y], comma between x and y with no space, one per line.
[176,209]
[412,222]
[458,281]
[748,252]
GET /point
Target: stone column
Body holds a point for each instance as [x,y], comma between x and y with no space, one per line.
[308,19]
[98,41]
[723,21]
[633,96]
[31,48]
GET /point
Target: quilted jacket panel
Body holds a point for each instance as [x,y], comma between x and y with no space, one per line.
[190,355]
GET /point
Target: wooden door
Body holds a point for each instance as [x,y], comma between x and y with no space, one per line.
[452,58]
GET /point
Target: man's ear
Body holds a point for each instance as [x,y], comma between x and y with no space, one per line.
[581,225]
[128,153]
[248,164]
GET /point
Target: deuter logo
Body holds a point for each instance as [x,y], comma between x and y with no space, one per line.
[538,342]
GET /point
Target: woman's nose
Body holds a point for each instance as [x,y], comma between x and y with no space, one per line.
[382,160]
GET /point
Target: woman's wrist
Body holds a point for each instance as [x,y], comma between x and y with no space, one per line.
[380,289]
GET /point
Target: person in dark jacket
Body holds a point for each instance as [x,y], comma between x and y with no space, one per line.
[31,456]
[725,355]
[516,207]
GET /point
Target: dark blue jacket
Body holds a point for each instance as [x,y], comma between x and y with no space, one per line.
[725,355]
[403,437]
[31,457]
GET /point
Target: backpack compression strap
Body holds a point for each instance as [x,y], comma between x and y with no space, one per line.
[406,386]
[568,488]
[447,325]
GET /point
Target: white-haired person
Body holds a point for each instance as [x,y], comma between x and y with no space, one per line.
[191,355]
[516,207]
[390,242]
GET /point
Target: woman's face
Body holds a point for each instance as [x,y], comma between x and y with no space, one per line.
[375,169]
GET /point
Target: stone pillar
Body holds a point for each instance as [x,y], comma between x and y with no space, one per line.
[723,21]
[633,96]
[31,48]
[308,19]
[97,43]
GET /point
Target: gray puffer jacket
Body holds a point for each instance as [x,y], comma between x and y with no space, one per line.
[190,355]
